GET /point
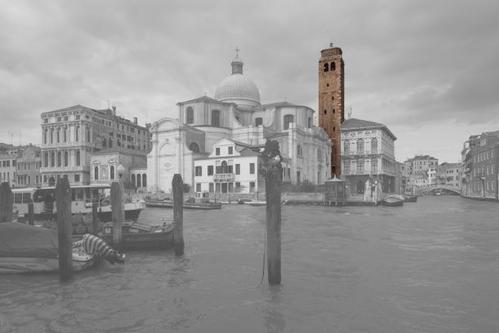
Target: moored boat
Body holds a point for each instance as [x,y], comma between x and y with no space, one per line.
[166,203]
[139,236]
[410,198]
[393,200]
[29,249]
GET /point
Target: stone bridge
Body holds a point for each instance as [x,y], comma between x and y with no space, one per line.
[439,188]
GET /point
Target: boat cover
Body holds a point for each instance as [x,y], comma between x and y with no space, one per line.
[23,240]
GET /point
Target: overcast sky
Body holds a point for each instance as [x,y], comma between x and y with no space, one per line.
[426,69]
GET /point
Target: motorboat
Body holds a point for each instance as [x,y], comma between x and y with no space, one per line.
[29,249]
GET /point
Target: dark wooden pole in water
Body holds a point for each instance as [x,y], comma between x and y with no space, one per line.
[118,212]
[95,226]
[64,228]
[272,170]
[178,214]
[6,203]
[31,213]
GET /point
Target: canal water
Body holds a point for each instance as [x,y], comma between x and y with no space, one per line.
[430,266]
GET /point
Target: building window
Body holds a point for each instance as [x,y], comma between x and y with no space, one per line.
[77,178]
[258,121]
[45,133]
[217,187]
[346,147]
[360,167]
[210,170]
[139,183]
[231,187]
[333,66]
[199,171]
[224,168]
[77,133]
[252,186]
[346,167]
[374,166]
[211,188]
[198,187]
[194,147]
[252,168]
[326,67]
[298,177]
[133,179]
[288,119]
[51,135]
[231,150]
[58,135]
[144,180]
[65,134]
[46,159]
[52,159]
[66,158]
[238,169]
[77,158]
[360,146]
[59,159]
[299,151]
[309,122]
[111,172]
[190,115]
[215,118]
[217,151]
[374,146]
[96,173]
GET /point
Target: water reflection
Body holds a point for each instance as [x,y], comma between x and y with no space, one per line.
[274,319]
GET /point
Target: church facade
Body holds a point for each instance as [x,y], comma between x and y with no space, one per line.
[235,113]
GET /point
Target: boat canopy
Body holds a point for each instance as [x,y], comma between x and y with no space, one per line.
[23,240]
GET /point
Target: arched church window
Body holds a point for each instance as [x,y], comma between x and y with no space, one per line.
[194,147]
[133,178]
[258,121]
[287,120]
[144,180]
[96,173]
[309,122]
[374,146]
[224,167]
[326,67]
[333,66]
[215,118]
[111,171]
[189,115]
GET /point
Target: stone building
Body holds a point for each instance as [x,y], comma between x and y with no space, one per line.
[230,168]
[236,113]
[420,171]
[28,166]
[368,153]
[8,169]
[480,177]
[449,174]
[332,101]
[71,136]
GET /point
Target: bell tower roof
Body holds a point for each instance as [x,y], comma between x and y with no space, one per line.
[237,63]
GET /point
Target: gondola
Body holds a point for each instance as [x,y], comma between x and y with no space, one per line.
[139,236]
[393,200]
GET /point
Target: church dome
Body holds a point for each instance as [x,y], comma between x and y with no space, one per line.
[237,87]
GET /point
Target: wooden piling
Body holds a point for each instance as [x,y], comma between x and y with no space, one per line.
[178,215]
[6,203]
[31,214]
[64,229]
[95,225]
[118,212]
[273,180]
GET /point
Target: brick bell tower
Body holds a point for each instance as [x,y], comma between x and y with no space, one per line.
[332,101]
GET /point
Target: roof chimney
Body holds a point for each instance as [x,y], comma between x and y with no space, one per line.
[114,110]
[135,120]
[330,44]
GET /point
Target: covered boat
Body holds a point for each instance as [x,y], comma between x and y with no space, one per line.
[139,236]
[410,198]
[28,249]
[393,200]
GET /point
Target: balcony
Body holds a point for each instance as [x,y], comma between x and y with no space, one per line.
[224,177]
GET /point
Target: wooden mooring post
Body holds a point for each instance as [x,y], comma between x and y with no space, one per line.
[64,229]
[272,170]
[95,225]
[118,212]
[178,214]
[6,203]
[31,213]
